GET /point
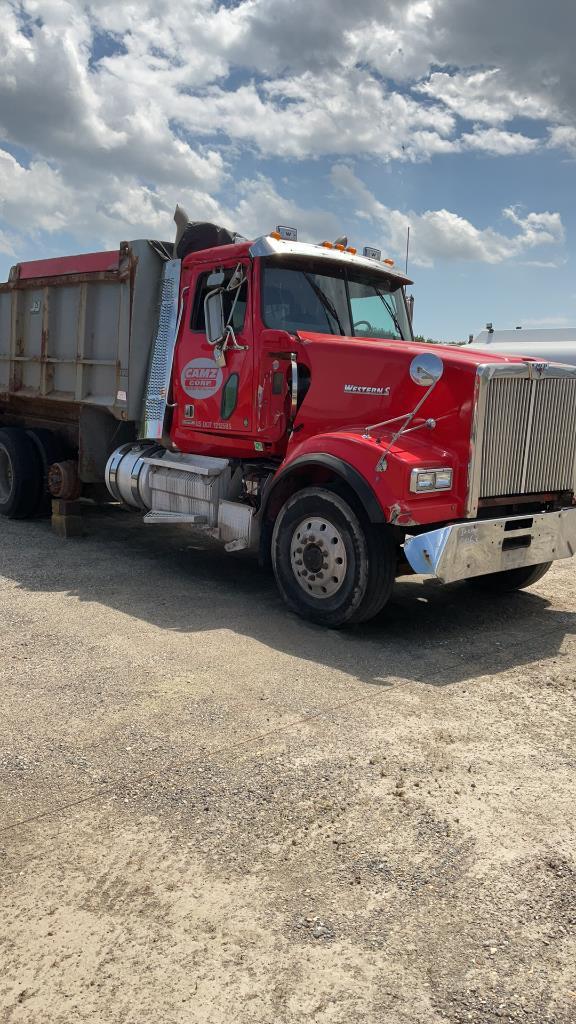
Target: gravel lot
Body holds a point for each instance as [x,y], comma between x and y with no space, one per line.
[213,812]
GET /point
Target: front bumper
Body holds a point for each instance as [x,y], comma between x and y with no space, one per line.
[492,545]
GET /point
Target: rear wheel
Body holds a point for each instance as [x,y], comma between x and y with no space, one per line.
[50,450]
[510,579]
[20,474]
[330,566]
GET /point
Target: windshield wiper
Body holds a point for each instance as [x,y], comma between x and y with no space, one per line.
[392,314]
[325,301]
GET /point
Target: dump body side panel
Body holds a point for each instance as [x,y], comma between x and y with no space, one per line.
[77,332]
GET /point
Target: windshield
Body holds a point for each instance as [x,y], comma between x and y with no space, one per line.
[306,296]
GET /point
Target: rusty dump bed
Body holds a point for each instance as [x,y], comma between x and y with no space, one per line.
[76,332]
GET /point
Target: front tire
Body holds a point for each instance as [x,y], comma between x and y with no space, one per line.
[330,566]
[509,579]
[20,474]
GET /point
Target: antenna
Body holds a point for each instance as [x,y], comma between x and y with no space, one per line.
[407,247]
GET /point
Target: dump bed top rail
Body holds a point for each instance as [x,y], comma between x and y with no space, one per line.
[61,266]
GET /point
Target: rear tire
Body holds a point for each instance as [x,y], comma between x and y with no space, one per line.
[20,474]
[331,567]
[510,579]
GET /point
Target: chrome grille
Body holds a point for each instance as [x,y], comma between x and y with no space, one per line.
[529,439]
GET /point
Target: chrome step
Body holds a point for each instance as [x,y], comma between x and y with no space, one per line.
[156,518]
[201,465]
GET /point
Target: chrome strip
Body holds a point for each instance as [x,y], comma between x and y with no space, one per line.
[160,368]
[112,469]
[294,387]
[483,375]
[533,386]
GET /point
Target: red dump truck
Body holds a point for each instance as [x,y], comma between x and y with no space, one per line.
[269,393]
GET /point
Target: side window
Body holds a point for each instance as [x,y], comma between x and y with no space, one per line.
[197,319]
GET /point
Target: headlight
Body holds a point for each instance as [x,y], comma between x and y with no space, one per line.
[430,480]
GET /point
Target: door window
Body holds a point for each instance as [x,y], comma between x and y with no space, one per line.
[197,322]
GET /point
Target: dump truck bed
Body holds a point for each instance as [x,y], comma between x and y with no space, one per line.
[77,331]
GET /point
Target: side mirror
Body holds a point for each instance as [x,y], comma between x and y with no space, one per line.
[214,317]
[410,301]
[426,369]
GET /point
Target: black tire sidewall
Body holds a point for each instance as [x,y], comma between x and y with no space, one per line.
[510,579]
[26,469]
[50,449]
[340,608]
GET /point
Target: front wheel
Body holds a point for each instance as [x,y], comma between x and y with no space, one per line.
[330,567]
[510,579]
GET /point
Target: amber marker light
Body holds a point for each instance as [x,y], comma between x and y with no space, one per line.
[389,262]
[352,250]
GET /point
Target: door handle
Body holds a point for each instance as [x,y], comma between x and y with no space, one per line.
[294,389]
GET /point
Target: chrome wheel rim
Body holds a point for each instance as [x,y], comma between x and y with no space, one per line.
[318,557]
[5,475]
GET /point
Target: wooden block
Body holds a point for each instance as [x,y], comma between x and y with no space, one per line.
[66,518]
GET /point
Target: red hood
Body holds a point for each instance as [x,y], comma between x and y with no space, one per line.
[452,355]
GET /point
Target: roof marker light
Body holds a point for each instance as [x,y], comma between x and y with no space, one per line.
[276,235]
[389,262]
[328,245]
[341,248]
[351,249]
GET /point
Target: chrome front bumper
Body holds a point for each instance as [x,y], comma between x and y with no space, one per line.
[492,545]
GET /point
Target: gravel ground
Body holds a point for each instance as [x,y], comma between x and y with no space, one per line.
[211,811]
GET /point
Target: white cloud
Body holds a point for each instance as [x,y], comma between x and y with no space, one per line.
[498,142]
[563,137]
[483,96]
[32,198]
[444,235]
[112,141]
[36,200]
[313,115]
[93,123]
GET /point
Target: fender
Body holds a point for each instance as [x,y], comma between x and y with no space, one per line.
[385,496]
[340,468]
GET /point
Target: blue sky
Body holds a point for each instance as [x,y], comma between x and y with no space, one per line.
[363,119]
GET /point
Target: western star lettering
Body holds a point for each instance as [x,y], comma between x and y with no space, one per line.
[363,389]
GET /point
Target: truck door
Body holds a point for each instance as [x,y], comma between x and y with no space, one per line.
[211,398]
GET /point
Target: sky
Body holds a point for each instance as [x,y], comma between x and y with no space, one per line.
[456,118]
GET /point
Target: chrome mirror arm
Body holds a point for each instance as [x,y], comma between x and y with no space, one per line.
[407,417]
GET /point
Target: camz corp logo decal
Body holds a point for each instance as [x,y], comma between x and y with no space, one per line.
[361,389]
[201,378]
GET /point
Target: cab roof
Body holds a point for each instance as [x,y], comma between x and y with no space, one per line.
[267,245]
